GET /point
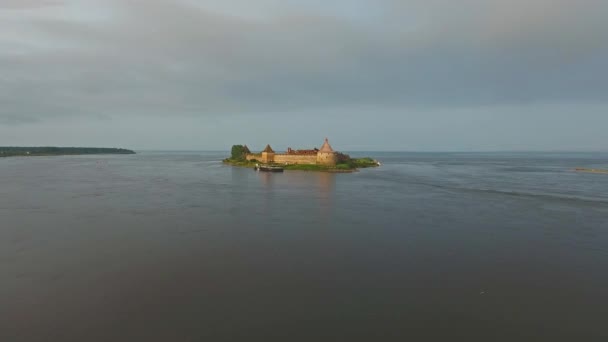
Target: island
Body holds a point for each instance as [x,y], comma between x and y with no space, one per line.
[59,151]
[323,159]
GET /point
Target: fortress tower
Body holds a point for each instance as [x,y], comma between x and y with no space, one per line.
[327,155]
[268,155]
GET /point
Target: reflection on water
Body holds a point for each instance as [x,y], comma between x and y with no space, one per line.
[326,183]
[318,186]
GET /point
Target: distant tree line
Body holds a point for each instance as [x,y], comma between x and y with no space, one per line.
[52,151]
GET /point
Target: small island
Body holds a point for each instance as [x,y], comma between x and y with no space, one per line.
[59,151]
[323,159]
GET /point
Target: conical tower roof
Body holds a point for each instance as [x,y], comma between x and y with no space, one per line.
[326,147]
[268,149]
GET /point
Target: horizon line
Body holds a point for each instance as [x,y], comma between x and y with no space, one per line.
[397,151]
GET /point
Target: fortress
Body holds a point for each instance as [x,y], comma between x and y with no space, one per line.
[323,156]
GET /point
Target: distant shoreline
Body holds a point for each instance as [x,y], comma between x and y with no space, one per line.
[585,170]
[16,151]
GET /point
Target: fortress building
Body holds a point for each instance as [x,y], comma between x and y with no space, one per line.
[323,156]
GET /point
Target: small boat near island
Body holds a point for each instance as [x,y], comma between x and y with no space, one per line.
[268,168]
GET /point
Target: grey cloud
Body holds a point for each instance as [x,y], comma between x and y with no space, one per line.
[165,57]
[27,4]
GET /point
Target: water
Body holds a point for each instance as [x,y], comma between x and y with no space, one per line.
[178,247]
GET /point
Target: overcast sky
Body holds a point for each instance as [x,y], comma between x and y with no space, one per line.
[413,75]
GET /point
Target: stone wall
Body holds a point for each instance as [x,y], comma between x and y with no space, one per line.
[254,156]
[295,159]
[284,158]
[320,158]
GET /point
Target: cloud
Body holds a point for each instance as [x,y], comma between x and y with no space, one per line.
[27,4]
[192,58]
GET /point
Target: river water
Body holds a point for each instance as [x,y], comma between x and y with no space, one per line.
[175,246]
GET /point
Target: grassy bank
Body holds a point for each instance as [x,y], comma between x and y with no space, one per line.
[241,163]
[358,163]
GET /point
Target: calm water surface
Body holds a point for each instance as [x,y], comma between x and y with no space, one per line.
[178,247]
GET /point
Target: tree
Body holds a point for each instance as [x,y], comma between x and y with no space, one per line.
[238,152]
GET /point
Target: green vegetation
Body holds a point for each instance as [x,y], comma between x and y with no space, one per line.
[345,162]
[238,152]
[59,151]
[364,162]
[307,167]
[243,163]
[238,155]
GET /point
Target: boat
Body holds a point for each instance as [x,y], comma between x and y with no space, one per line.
[268,168]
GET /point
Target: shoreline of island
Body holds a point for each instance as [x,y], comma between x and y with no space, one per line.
[46,151]
[300,167]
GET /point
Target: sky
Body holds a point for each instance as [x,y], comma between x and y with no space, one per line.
[371,75]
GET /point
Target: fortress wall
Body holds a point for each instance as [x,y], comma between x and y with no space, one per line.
[295,159]
[321,158]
